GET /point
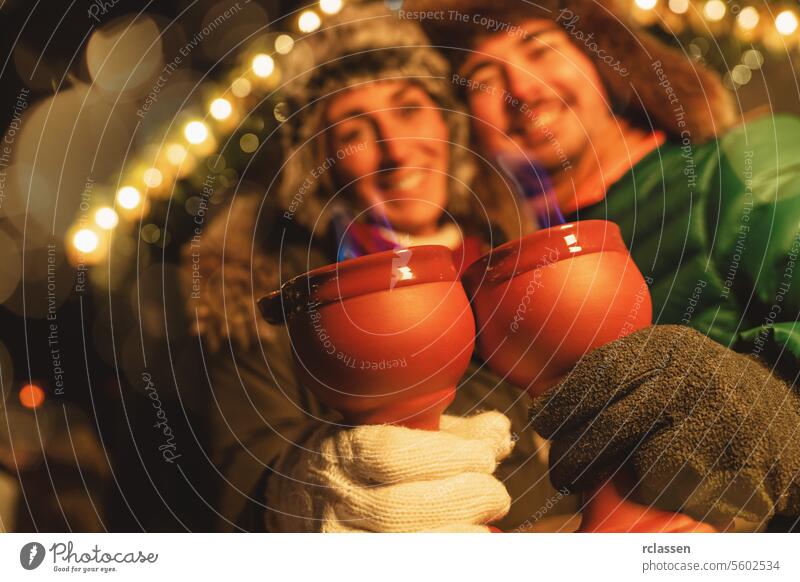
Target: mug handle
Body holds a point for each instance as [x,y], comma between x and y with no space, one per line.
[271,308]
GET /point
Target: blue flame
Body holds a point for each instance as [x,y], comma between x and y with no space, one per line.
[355,240]
[378,216]
[347,248]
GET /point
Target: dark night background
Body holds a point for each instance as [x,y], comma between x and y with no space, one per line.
[130,486]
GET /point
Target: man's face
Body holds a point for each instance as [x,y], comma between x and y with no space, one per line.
[536,92]
[390,142]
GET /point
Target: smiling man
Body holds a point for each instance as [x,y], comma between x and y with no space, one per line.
[552,87]
[629,130]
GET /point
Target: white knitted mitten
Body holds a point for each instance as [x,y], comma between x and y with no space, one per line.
[393,479]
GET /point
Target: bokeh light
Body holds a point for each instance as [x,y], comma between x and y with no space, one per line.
[241,87]
[249,143]
[679,6]
[31,396]
[330,6]
[85,240]
[308,21]
[129,197]
[284,44]
[714,10]
[152,177]
[195,132]
[786,22]
[741,74]
[176,153]
[69,143]
[125,55]
[281,111]
[150,233]
[220,108]
[646,4]
[263,65]
[748,18]
[106,218]
[753,58]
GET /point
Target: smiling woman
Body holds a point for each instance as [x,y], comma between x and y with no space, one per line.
[410,128]
[400,152]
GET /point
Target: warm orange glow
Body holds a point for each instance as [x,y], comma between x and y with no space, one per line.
[31,396]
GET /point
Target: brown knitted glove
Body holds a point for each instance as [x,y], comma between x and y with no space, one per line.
[705,430]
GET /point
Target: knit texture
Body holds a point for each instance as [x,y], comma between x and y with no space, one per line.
[386,478]
[705,430]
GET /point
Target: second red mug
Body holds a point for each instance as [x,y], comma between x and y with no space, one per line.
[543,301]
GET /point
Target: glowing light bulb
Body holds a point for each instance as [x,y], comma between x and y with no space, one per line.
[85,240]
[786,22]
[195,132]
[152,178]
[330,6]
[308,21]
[263,65]
[220,109]
[176,153]
[241,87]
[646,4]
[679,6]
[129,197]
[106,218]
[714,10]
[284,44]
[748,18]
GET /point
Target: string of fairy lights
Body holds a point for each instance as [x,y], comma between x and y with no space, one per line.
[771,25]
[749,21]
[89,238]
[766,25]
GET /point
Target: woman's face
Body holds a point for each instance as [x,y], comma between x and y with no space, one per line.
[390,146]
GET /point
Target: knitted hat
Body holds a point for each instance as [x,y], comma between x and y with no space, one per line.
[362,43]
[640,96]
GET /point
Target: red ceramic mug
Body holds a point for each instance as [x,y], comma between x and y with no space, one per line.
[382,338]
[543,301]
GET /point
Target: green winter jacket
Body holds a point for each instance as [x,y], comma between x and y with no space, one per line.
[715,230]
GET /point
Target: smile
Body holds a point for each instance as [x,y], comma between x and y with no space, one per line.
[544,116]
[406,181]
